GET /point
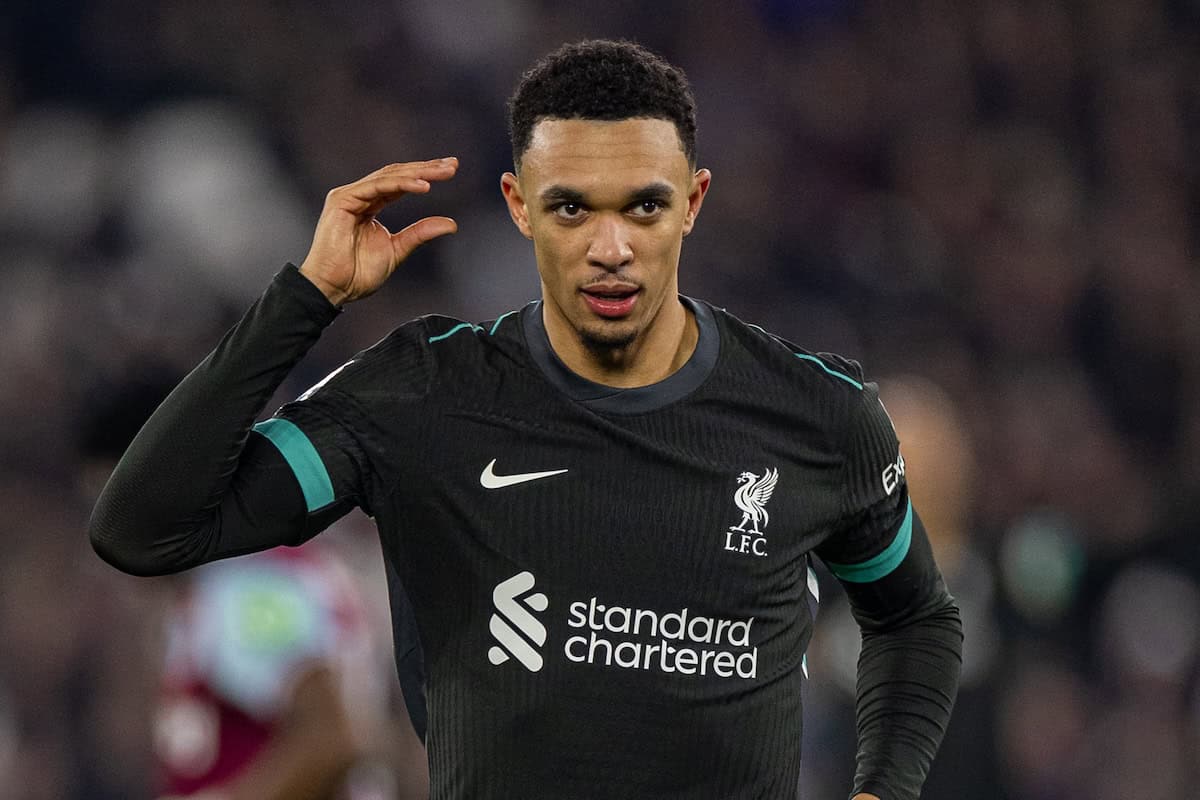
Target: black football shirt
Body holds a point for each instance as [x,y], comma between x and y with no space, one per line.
[611,587]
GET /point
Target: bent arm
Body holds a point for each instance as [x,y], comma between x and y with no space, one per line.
[196,484]
[912,633]
[909,666]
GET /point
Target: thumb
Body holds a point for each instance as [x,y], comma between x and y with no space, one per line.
[420,232]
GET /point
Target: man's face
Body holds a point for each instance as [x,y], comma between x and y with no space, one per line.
[607,205]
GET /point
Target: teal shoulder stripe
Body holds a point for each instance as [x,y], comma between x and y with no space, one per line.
[832,372]
[302,457]
[453,331]
[464,325]
[882,564]
[500,319]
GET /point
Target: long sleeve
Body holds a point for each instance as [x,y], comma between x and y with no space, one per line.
[911,656]
[908,669]
[196,484]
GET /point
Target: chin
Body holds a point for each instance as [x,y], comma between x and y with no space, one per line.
[605,338]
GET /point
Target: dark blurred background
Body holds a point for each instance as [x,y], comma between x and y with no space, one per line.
[990,203]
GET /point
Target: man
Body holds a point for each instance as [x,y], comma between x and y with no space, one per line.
[601,506]
[272,690]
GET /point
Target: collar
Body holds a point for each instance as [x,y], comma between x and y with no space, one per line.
[637,400]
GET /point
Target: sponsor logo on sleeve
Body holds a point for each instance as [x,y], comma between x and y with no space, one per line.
[892,474]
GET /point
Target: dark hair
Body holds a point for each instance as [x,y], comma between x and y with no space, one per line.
[604,80]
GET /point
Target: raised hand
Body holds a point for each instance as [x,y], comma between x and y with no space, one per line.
[352,253]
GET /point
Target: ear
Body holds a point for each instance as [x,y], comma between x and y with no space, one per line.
[700,182]
[510,186]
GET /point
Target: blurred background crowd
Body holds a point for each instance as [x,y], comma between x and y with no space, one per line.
[990,203]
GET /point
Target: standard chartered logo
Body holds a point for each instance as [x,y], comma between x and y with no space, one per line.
[512,616]
[680,642]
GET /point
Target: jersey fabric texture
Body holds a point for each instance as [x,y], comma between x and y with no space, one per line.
[609,587]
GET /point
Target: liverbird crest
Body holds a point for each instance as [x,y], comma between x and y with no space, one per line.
[751,498]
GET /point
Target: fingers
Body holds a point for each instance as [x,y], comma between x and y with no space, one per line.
[420,232]
[437,165]
[369,194]
[387,191]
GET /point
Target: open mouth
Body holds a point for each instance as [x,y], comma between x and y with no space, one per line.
[611,301]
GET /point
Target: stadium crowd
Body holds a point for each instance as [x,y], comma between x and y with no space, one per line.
[991,204]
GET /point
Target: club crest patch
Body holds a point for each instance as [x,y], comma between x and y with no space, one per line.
[751,496]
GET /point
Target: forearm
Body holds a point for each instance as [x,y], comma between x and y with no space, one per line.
[907,683]
[912,649]
[161,509]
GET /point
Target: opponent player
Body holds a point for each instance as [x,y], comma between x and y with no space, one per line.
[602,505]
[272,689]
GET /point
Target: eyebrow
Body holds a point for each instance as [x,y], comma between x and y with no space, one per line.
[654,191]
[563,194]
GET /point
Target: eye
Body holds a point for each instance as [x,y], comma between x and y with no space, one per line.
[647,208]
[569,210]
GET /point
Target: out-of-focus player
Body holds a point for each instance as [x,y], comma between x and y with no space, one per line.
[270,687]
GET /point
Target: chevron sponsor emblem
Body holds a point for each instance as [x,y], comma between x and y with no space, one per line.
[518,632]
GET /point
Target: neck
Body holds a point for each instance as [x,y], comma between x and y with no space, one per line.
[658,351]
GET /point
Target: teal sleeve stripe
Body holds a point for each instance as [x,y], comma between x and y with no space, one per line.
[302,457]
[832,372]
[882,564]
[460,326]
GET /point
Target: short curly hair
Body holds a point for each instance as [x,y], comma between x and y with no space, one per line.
[603,80]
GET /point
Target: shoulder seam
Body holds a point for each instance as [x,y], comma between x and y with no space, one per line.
[474,327]
[460,326]
[807,357]
[500,319]
[833,372]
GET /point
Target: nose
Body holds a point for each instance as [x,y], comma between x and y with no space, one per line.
[609,248]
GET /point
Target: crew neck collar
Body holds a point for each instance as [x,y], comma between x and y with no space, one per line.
[635,400]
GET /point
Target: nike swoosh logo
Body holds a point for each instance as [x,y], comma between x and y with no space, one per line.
[490,480]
